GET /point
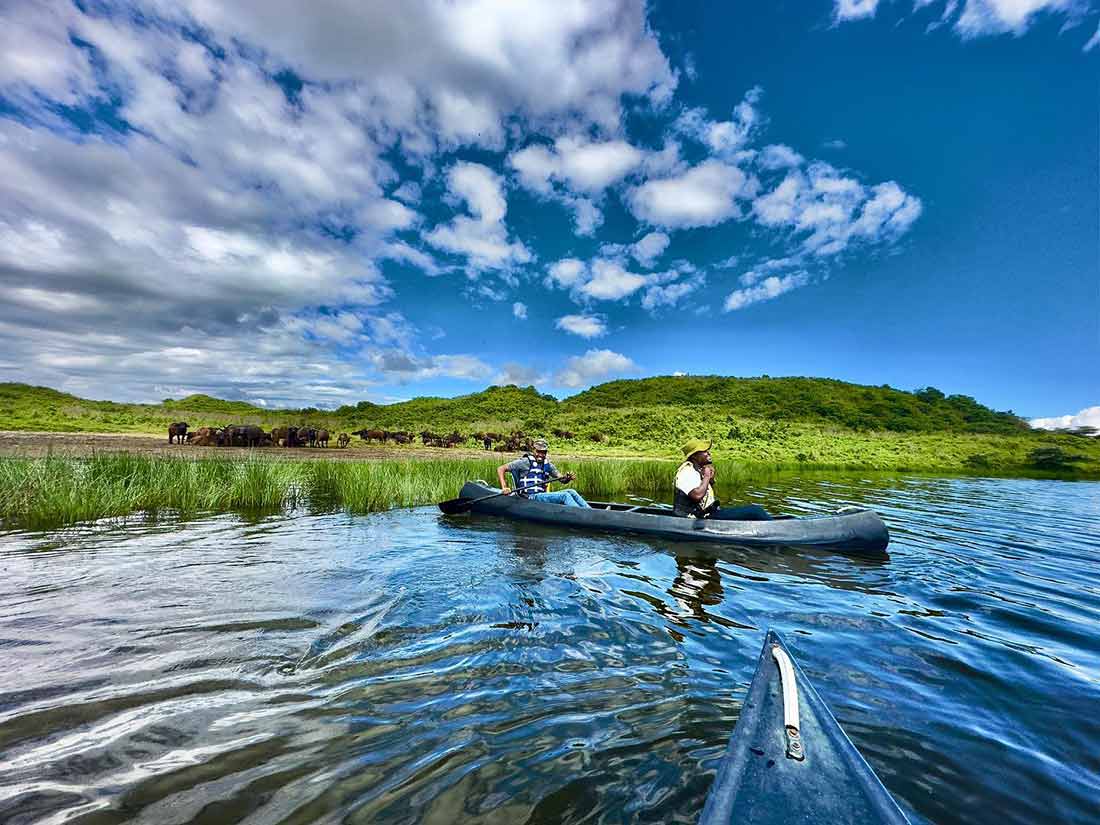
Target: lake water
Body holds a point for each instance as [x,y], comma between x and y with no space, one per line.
[408,667]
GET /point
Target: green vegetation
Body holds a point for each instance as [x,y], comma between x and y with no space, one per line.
[43,493]
[774,423]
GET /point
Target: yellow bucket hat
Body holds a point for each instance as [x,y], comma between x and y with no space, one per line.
[695,445]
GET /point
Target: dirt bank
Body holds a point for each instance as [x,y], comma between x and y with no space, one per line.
[36,444]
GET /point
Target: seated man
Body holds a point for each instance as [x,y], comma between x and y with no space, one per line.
[694,493]
[532,474]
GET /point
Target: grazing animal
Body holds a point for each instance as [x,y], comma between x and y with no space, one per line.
[307,436]
[597,437]
[248,435]
[177,431]
[427,437]
[322,438]
[204,437]
[401,437]
[454,439]
[564,434]
[343,440]
[369,435]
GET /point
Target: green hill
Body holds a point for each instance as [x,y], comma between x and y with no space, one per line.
[806,399]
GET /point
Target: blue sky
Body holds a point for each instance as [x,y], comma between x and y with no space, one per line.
[377,202]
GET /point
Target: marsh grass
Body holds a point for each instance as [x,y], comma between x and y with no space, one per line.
[43,493]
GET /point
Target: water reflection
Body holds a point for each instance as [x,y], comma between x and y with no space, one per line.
[403,667]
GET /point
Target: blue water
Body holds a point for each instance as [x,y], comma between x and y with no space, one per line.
[408,667]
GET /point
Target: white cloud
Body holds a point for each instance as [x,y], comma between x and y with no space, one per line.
[586,326]
[610,282]
[1088,417]
[519,374]
[647,250]
[670,294]
[977,17]
[519,310]
[575,172]
[704,195]
[855,9]
[767,289]
[595,365]
[778,156]
[832,210]
[483,239]
[566,273]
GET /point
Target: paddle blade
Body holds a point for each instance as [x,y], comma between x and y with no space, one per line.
[455,506]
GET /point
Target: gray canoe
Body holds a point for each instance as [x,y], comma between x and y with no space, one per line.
[855,532]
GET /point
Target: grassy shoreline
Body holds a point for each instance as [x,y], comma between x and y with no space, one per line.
[54,491]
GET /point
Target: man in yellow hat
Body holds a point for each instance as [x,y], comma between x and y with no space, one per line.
[694,488]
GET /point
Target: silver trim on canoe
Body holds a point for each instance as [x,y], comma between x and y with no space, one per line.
[790,704]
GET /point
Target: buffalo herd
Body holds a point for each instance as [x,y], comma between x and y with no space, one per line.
[249,435]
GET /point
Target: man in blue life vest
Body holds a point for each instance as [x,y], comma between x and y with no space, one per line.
[531,475]
[694,493]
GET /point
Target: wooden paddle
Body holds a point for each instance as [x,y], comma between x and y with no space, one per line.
[458,505]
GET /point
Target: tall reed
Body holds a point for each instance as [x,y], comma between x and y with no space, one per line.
[42,493]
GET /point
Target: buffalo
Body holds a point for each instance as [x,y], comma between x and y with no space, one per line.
[343,440]
[248,435]
[307,436]
[177,431]
[369,435]
[205,437]
[322,438]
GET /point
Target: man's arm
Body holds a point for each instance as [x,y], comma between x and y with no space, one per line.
[501,470]
[700,492]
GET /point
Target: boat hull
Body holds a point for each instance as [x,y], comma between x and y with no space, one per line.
[759,783]
[859,533]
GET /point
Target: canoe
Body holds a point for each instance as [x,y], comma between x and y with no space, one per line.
[788,760]
[852,531]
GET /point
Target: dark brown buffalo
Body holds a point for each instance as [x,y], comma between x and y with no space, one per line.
[454,439]
[369,435]
[401,437]
[307,436]
[562,434]
[177,431]
[322,438]
[248,435]
[280,436]
[427,437]
[343,440]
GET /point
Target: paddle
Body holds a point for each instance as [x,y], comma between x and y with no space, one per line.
[460,505]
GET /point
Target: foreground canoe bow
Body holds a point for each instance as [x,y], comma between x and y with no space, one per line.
[855,532]
[788,760]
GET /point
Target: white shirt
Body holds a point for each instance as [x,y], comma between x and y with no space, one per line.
[688,478]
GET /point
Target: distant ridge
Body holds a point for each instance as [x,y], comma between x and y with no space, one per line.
[822,401]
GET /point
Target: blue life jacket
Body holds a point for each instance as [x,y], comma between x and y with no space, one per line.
[534,479]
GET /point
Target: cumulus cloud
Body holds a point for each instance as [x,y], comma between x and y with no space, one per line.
[519,374]
[483,238]
[829,210]
[1088,417]
[575,171]
[594,366]
[647,250]
[586,326]
[704,195]
[771,287]
[519,310]
[232,171]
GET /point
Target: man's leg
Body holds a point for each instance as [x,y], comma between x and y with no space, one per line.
[750,512]
[570,498]
[575,498]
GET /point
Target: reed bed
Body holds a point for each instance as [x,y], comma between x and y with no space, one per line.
[44,493]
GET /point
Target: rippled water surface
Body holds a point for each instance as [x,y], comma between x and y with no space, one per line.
[407,667]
